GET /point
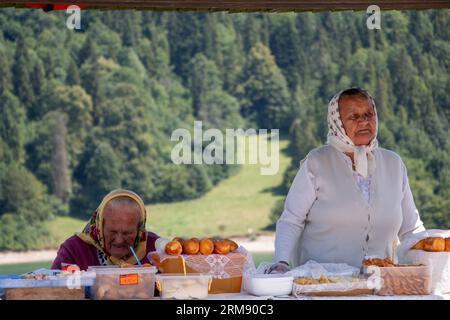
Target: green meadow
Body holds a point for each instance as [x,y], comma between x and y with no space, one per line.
[237,206]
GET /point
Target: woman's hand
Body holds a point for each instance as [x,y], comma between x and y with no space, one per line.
[279,267]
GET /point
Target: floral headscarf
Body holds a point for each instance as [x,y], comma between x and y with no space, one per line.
[337,137]
[93,231]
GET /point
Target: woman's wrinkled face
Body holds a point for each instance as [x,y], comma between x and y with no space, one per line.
[120,229]
[358,118]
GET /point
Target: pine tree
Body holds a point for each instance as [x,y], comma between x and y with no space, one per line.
[264,94]
[23,88]
[203,77]
[185,34]
[37,78]
[5,72]
[60,164]
[73,75]
[99,174]
[12,127]
[89,50]
[285,46]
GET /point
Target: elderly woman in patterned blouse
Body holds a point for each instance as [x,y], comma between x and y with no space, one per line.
[116,225]
[350,198]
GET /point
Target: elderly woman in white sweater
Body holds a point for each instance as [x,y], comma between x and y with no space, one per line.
[350,198]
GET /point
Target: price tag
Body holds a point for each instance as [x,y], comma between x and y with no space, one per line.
[129,279]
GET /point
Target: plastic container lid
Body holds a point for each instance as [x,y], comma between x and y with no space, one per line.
[16,281]
[183,276]
[112,270]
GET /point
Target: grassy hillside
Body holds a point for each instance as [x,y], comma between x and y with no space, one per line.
[236,206]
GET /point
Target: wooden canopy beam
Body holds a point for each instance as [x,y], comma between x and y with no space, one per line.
[243,5]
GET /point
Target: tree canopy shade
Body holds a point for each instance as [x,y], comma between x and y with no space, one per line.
[244,5]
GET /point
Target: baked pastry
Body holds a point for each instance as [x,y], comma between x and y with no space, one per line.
[206,246]
[310,281]
[174,248]
[434,244]
[179,239]
[419,245]
[191,246]
[379,262]
[222,247]
[233,245]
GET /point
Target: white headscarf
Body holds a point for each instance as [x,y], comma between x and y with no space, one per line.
[363,155]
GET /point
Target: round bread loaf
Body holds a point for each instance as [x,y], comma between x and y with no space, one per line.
[206,246]
[222,247]
[174,248]
[191,246]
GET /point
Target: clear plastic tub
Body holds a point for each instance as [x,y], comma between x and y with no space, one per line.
[440,265]
[180,286]
[17,281]
[54,286]
[113,283]
[405,280]
[338,286]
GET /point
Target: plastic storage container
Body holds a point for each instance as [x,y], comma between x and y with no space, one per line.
[16,281]
[180,286]
[405,280]
[338,286]
[208,264]
[440,265]
[53,287]
[268,284]
[113,283]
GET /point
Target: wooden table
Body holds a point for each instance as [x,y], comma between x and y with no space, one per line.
[245,296]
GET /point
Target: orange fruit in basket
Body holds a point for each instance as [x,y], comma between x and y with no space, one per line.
[206,246]
[191,246]
[174,248]
[222,247]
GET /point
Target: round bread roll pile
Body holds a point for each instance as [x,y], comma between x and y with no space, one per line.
[204,246]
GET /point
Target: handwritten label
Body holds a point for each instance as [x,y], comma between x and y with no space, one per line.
[129,279]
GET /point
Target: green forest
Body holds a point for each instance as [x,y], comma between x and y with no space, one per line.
[90,110]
